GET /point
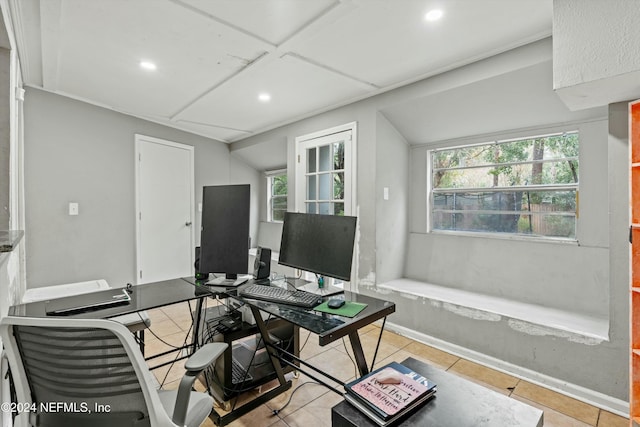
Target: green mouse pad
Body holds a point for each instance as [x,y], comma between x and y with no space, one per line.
[349,309]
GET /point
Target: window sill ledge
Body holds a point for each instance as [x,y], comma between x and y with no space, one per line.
[527,318]
[9,239]
[508,236]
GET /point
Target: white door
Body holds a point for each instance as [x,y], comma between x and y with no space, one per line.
[164,209]
[325,179]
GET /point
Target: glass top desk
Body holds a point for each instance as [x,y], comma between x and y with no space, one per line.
[328,327]
[143,297]
[158,294]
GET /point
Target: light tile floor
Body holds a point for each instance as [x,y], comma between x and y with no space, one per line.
[311,403]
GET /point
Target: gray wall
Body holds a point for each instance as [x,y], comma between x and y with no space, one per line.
[589,277]
[564,276]
[617,351]
[391,215]
[82,153]
[571,277]
[5,102]
[366,117]
[544,273]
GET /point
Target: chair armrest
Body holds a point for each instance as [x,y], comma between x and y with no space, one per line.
[205,356]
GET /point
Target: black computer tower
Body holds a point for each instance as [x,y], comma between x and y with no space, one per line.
[246,350]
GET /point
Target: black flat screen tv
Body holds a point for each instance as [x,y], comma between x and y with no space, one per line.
[320,244]
[224,237]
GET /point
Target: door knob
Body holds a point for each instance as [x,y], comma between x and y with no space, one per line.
[188,223]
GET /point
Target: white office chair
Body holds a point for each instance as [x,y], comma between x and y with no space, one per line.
[136,322]
[93,374]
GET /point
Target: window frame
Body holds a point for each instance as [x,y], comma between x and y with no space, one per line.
[270,175]
[346,133]
[451,145]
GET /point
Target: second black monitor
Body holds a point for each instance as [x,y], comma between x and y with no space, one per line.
[224,238]
[320,244]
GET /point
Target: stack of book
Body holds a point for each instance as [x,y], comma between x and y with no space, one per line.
[390,393]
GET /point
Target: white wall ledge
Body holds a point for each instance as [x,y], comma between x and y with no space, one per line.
[523,317]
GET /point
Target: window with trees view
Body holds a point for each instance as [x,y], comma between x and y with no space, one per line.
[277,196]
[522,187]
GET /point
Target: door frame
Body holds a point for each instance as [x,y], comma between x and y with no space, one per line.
[350,162]
[139,138]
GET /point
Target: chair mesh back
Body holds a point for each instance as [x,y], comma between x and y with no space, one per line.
[80,370]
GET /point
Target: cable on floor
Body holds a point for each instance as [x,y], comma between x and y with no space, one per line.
[277,411]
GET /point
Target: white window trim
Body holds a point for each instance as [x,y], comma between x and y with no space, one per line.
[269,175]
[488,139]
[350,160]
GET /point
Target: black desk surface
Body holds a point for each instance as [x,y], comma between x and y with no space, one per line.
[152,295]
[328,327]
[143,297]
[457,403]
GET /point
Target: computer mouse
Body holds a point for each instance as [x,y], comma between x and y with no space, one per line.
[389,377]
[335,303]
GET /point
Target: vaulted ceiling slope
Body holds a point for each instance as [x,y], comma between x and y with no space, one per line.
[214,58]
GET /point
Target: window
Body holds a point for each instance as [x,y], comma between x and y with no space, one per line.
[324,168]
[325,179]
[523,187]
[277,191]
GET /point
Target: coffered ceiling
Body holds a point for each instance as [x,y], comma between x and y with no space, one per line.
[214,58]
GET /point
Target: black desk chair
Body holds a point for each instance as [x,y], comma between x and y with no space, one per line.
[86,372]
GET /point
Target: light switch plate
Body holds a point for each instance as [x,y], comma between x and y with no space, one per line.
[73,208]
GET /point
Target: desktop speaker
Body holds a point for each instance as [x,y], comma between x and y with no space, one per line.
[262,264]
[199,275]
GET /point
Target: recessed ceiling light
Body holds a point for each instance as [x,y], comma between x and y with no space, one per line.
[434,15]
[148,65]
[264,97]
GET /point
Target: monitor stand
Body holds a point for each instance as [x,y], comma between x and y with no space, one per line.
[229,280]
[326,290]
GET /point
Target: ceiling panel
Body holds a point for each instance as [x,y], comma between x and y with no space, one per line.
[386,42]
[485,106]
[269,154]
[274,20]
[222,134]
[100,44]
[297,88]
[215,56]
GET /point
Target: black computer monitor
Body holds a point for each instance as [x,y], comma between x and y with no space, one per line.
[320,244]
[224,238]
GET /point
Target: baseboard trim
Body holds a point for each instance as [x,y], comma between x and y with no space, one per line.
[600,400]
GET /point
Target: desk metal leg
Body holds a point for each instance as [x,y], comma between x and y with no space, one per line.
[190,348]
[358,353]
[356,346]
[264,332]
[141,341]
[195,344]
